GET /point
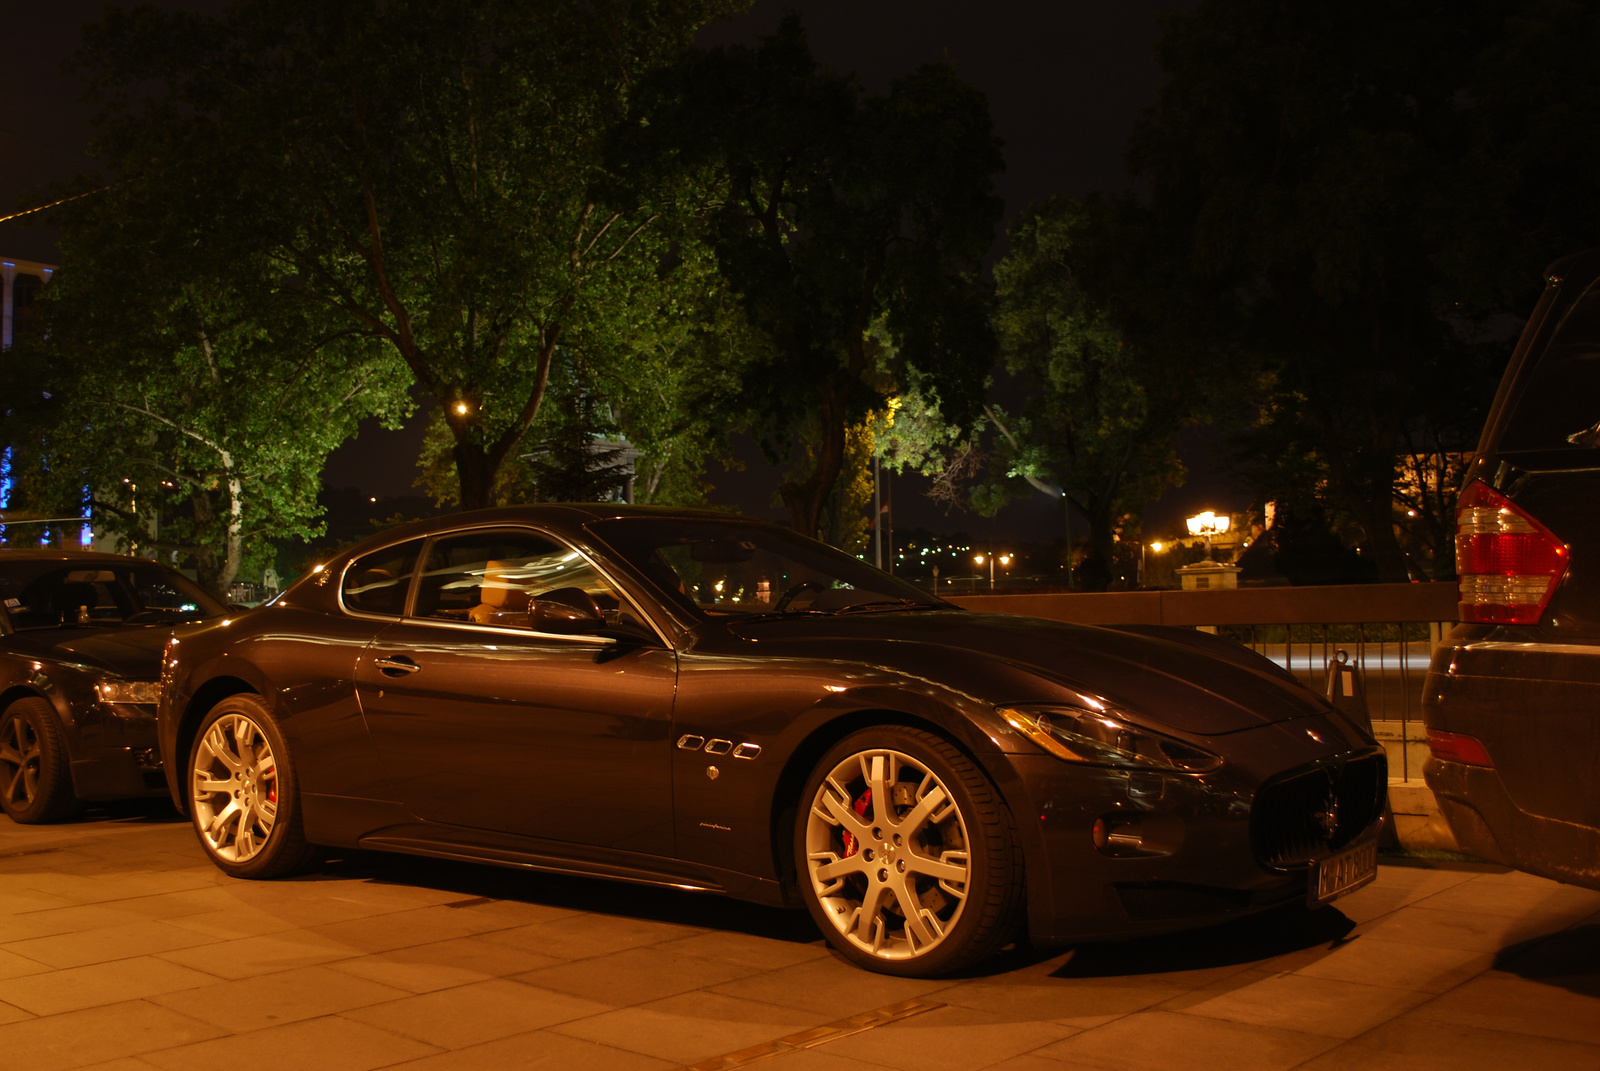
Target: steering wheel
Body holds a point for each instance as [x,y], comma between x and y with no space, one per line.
[798,589]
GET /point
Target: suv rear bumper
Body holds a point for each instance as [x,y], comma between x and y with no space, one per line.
[1488,823]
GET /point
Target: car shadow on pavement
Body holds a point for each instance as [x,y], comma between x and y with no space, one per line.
[474,880]
[1569,959]
[156,810]
[1279,932]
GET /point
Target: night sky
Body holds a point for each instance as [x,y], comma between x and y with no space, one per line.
[1066,80]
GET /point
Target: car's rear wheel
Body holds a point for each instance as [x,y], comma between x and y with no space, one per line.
[35,772]
[905,854]
[243,797]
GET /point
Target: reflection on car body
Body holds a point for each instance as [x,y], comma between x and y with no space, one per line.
[693,700]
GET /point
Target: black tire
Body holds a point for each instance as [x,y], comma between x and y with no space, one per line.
[35,770]
[854,885]
[249,822]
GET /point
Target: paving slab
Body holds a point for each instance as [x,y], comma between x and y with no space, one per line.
[122,948]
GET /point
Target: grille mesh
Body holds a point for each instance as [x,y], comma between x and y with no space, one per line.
[1290,822]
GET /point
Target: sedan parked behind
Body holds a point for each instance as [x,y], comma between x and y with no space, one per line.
[81,636]
[691,700]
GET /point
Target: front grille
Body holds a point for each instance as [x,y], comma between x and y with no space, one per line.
[1312,814]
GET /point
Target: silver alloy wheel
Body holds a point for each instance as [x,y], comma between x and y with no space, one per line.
[886,851]
[234,786]
[20,761]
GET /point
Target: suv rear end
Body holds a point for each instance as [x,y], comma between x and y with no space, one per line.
[1512,700]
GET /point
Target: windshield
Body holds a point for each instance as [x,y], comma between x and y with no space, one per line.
[48,594]
[734,567]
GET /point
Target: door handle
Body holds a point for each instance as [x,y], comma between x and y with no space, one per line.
[396,665]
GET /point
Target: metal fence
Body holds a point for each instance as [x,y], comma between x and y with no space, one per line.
[1387,631]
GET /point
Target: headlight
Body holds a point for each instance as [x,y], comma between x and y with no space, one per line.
[1091,736]
[120,691]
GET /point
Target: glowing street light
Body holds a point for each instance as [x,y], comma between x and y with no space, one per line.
[1005,559]
[1207,524]
[1142,548]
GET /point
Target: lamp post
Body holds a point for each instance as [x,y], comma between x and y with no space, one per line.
[1207,524]
[1005,559]
[1142,547]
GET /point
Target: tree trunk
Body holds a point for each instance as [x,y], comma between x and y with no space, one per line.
[476,474]
[805,499]
[1101,529]
[1377,518]
[216,563]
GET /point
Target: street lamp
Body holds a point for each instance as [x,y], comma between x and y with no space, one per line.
[1207,524]
[1142,547]
[1005,559]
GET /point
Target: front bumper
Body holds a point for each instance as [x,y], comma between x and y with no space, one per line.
[116,755]
[1193,851]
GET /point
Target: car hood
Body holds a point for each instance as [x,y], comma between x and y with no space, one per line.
[133,652]
[1153,678]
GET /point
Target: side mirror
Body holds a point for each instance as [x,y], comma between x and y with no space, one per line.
[565,611]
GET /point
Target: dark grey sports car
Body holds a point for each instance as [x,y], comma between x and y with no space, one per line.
[693,700]
[81,636]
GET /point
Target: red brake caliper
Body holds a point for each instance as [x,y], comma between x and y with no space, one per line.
[850,844]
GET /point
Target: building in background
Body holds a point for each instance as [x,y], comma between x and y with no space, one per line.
[20,283]
[22,279]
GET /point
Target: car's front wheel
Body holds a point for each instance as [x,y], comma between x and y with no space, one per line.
[905,854]
[243,798]
[35,778]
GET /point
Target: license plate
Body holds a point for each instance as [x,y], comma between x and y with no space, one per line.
[1343,873]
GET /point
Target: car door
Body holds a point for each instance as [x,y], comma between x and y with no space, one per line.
[483,721]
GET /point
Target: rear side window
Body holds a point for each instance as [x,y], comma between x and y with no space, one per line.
[377,583]
[1558,406]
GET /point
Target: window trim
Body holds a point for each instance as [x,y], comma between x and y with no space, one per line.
[608,575]
[411,582]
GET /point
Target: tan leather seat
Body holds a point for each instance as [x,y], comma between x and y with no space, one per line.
[503,601]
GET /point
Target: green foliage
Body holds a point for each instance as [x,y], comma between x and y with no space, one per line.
[836,210]
[1101,412]
[196,408]
[1364,195]
[426,175]
[669,385]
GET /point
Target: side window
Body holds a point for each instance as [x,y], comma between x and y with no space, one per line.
[1560,399]
[491,578]
[377,583]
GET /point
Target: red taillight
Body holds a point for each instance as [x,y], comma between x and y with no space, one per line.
[1508,562]
[1455,747]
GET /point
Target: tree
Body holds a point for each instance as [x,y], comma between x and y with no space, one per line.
[837,209]
[426,174]
[1366,193]
[194,415]
[669,385]
[1097,428]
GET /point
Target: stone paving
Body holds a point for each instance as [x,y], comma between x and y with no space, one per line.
[121,947]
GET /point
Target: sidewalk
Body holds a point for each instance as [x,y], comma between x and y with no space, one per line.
[121,947]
